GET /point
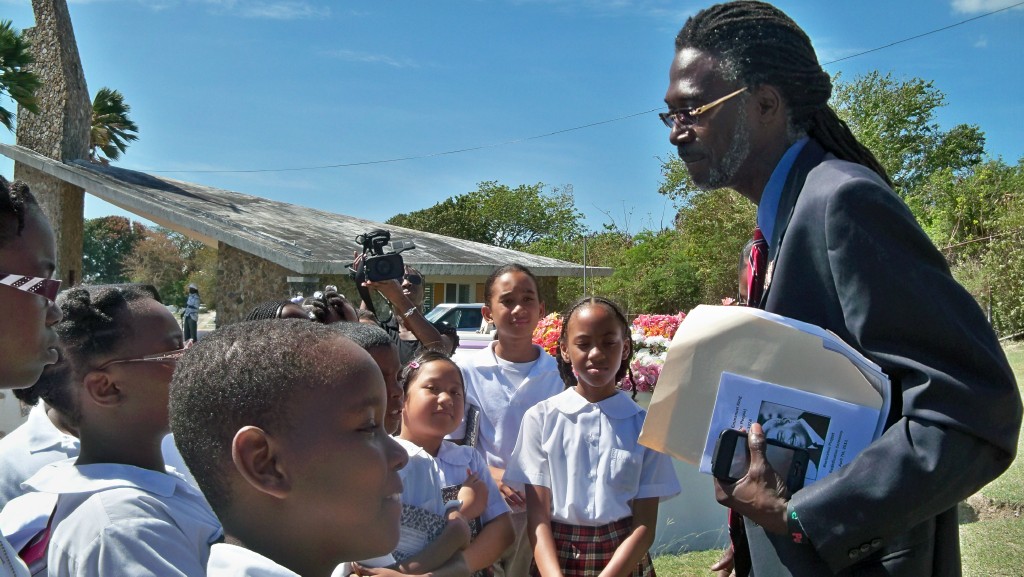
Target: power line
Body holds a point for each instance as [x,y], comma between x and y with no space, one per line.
[563,131]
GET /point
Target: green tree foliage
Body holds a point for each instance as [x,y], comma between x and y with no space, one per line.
[107,242]
[112,130]
[989,259]
[156,260]
[16,81]
[594,249]
[500,215]
[713,227]
[896,120]
[168,260]
[654,276]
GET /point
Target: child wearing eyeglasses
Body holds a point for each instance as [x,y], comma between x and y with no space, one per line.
[28,257]
[117,509]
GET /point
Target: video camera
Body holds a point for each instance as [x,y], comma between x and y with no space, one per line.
[381,262]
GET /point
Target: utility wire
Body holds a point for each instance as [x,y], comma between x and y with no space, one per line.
[575,128]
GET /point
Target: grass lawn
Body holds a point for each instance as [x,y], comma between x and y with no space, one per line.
[992,545]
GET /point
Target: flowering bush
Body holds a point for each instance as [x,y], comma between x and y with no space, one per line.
[651,336]
[546,333]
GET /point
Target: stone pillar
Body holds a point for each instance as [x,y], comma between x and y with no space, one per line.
[245,280]
[59,131]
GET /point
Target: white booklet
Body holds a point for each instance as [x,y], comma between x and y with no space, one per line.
[832,431]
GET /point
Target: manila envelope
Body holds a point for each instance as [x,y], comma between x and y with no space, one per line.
[748,342]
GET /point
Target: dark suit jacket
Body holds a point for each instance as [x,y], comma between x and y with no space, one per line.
[850,257]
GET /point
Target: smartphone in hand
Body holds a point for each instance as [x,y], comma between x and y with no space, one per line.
[731,459]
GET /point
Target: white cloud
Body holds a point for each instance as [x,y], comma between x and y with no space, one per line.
[283,10]
[981,42]
[269,9]
[368,58]
[981,6]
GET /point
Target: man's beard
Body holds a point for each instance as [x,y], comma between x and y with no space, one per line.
[723,173]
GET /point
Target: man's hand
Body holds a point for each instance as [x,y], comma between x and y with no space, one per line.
[761,495]
[725,564]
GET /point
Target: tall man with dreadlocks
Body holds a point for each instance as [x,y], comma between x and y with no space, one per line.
[748,110]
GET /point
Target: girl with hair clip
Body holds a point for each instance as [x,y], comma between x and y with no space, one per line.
[28,257]
[434,407]
[116,509]
[592,491]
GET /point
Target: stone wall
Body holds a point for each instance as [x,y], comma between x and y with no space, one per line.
[244,281]
[60,130]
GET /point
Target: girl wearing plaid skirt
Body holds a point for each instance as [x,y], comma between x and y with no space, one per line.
[592,491]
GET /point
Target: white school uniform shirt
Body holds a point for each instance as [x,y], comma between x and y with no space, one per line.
[10,564]
[453,460]
[589,456]
[421,479]
[28,448]
[503,401]
[115,519]
[234,561]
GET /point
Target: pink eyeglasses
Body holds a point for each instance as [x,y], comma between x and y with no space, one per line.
[169,357]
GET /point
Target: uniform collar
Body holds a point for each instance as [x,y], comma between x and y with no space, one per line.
[43,435]
[65,477]
[617,406]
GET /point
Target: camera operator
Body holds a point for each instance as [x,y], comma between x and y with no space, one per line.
[406,325]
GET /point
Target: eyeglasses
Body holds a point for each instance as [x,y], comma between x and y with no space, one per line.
[413,279]
[170,357]
[44,287]
[680,117]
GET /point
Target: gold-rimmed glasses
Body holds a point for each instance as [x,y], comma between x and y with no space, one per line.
[688,116]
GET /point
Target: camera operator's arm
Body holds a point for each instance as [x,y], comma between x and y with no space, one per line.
[409,314]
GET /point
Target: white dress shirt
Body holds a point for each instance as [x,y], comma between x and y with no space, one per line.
[234,561]
[453,460]
[589,456]
[503,400]
[115,519]
[37,442]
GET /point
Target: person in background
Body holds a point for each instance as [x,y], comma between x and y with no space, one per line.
[28,313]
[405,324]
[278,309]
[748,109]
[190,316]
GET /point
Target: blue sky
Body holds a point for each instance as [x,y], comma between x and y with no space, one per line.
[269,84]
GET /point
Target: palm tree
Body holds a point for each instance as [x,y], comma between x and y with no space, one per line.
[112,130]
[15,80]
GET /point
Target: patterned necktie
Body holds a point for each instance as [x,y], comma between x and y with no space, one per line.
[757,265]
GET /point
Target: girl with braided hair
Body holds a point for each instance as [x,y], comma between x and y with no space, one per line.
[592,491]
[115,509]
[28,257]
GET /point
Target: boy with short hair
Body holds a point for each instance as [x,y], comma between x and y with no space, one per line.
[282,424]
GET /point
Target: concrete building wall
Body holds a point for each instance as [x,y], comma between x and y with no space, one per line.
[60,130]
